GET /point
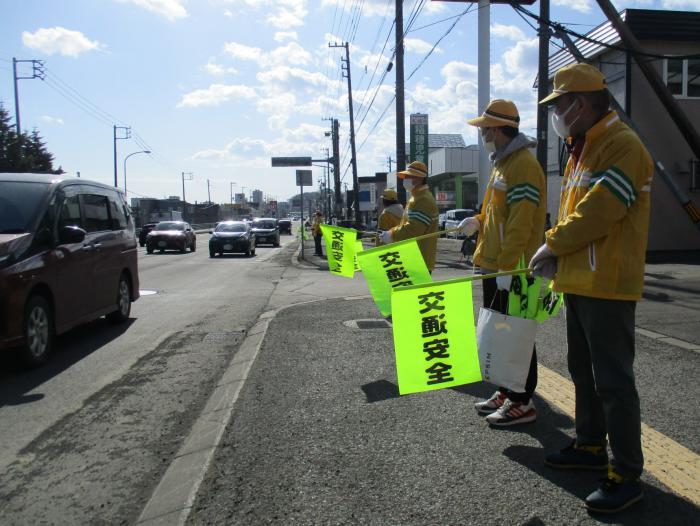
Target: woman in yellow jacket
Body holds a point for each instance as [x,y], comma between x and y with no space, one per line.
[596,253]
[510,225]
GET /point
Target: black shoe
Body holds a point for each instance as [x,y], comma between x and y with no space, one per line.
[579,456]
[616,493]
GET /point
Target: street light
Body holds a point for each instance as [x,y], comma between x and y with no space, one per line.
[125,158]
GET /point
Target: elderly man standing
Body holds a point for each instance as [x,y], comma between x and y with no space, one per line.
[511,227]
[420,216]
[596,253]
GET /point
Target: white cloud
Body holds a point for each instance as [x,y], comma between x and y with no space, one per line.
[281,36]
[509,32]
[237,148]
[242,51]
[416,45]
[282,14]
[688,5]
[291,54]
[59,40]
[51,120]
[218,70]
[170,9]
[583,6]
[216,94]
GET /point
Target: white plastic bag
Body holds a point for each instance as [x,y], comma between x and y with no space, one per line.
[505,348]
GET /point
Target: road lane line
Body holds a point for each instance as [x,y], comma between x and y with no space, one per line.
[666,460]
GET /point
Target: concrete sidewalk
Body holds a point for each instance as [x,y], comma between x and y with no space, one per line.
[320,435]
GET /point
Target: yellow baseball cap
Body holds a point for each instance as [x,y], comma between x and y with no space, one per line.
[499,112]
[415,169]
[576,78]
[390,194]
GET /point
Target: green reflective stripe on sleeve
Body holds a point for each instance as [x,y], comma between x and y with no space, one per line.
[523,191]
[419,216]
[618,183]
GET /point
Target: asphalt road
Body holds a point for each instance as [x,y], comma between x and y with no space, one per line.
[319,433]
[86,438]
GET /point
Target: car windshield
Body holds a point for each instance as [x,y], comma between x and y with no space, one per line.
[463,214]
[264,224]
[19,205]
[166,225]
[231,227]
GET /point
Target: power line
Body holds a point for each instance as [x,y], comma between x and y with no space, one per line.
[560,27]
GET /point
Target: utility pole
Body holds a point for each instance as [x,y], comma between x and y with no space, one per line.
[543,85]
[390,161]
[208,193]
[346,69]
[190,176]
[37,73]
[400,109]
[484,89]
[127,135]
[233,183]
[336,169]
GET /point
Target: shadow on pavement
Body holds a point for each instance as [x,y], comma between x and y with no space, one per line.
[380,390]
[69,348]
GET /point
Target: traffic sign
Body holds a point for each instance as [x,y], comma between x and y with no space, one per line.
[278,162]
[304,178]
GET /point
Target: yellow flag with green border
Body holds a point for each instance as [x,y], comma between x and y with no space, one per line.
[340,249]
[434,336]
[388,267]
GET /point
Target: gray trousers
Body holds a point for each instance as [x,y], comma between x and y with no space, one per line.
[600,337]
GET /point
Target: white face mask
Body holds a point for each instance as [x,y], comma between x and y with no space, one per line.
[562,129]
[490,146]
[408,184]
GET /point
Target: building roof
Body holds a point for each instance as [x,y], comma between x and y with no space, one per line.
[445,140]
[645,24]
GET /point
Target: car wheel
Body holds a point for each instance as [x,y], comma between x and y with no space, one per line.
[212,254]
[248,252]
[149,249]
[184,247]
[193,247]
[38,331]
[142,244]
[161,250]
[123,301]
[253,251]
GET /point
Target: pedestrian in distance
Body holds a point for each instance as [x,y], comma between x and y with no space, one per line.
[316,232]
[510,226]
[392,211]
[595,252]
[420,216]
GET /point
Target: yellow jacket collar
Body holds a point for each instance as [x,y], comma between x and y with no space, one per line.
[602,126]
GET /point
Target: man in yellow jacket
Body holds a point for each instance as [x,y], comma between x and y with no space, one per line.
[511,227]
[420,216]
[316,232]
[595,253]
[392,211]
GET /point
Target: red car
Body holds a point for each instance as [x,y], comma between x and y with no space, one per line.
[68,255]
[171,235]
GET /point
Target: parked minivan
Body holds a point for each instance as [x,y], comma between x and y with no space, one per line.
[68,255]
[454,217]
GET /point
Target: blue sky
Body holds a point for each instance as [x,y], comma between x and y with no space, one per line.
[217,87]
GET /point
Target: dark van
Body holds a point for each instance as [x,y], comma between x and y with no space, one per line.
[68,255]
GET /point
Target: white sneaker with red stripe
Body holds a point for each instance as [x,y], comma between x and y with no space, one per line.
[492,404]
[512,413]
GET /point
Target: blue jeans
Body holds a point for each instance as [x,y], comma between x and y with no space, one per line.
[600,336]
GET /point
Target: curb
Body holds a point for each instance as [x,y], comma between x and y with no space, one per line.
[173,498]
